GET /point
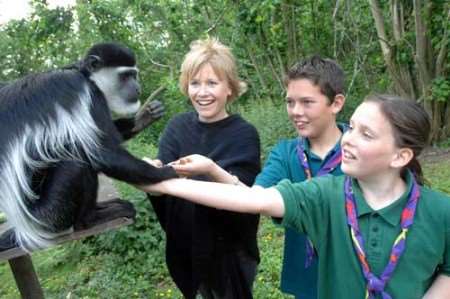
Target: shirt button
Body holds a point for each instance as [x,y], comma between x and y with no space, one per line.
[374,243]
[375,229]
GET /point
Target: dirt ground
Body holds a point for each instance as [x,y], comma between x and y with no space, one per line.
[435,155]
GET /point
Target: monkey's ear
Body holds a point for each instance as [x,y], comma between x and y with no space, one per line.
[92,63]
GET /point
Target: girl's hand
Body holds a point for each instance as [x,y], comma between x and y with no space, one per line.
[193,165]
[152,189]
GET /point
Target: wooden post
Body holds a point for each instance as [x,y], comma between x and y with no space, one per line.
[25,277]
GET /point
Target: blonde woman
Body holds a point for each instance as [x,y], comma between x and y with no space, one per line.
[210,251]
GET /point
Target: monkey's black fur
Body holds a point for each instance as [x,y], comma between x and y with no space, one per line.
[56,135]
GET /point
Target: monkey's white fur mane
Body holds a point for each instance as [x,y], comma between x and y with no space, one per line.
[59,140]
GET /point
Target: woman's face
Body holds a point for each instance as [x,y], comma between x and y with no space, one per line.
[368,147]
[209,94]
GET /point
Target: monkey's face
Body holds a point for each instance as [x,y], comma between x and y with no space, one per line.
[120,87]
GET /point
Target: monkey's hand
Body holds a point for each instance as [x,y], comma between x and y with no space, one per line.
[148,114]
[156,163]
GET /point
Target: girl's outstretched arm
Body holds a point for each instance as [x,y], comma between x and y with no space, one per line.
[440,288]
[240,198]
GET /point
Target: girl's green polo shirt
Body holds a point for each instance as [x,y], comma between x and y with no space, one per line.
[283,163]
[317,208]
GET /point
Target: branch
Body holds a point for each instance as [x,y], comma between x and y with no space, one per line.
[396,13]
[381,32]
[335,9]
[213,26]
[155,93]
[251,55]
[159,64]
[355,73]
[421,43]
[443,50]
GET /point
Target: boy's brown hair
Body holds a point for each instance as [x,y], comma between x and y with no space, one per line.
[322,72]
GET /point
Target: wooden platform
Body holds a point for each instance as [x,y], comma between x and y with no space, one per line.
[21,263]
[98,229]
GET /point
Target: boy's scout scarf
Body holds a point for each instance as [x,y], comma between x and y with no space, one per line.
[376,285]
[332,162]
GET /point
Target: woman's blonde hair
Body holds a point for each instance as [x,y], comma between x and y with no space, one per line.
[211,51]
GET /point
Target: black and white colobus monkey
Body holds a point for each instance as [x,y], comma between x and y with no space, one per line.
[56,135]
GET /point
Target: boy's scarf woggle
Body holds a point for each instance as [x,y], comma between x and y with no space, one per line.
[376,285]
[328,167]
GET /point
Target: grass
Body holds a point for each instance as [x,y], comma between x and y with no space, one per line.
[81,270]
[438,174]
[67,272]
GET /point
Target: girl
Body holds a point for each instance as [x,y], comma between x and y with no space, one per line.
[210,251]
[384,235]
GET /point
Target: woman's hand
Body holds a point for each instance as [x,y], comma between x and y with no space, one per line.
[153,162]
[193,165]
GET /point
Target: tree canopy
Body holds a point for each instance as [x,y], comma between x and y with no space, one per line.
[384,45]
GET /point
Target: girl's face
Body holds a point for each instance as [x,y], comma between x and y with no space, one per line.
[209,94]
[368,147]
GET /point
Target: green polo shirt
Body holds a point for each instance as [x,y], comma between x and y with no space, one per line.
[317,208]
[283,163]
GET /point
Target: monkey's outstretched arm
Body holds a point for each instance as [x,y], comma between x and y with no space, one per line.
[119,164]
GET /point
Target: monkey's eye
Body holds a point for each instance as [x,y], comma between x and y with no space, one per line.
[128,74]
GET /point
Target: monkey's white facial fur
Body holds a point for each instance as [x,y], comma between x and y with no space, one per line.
[120,87]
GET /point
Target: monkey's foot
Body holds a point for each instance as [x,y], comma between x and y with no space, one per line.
[8,240]
[106,211]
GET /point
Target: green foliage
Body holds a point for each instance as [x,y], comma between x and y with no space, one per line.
[440,90]
[271,121]
[266,37]
[438,174]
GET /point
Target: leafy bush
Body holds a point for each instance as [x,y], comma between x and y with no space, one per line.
[271,121]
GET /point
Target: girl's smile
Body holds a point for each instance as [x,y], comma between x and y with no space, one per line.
[368,147]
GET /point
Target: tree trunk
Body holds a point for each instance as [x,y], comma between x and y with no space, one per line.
[421,47]
[255,64]
[414,81]
[401,76]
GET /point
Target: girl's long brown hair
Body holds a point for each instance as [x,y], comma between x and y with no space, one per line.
[411,126]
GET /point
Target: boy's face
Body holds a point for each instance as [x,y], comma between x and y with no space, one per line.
[309,109]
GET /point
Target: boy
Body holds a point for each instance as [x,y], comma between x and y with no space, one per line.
[314,97]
